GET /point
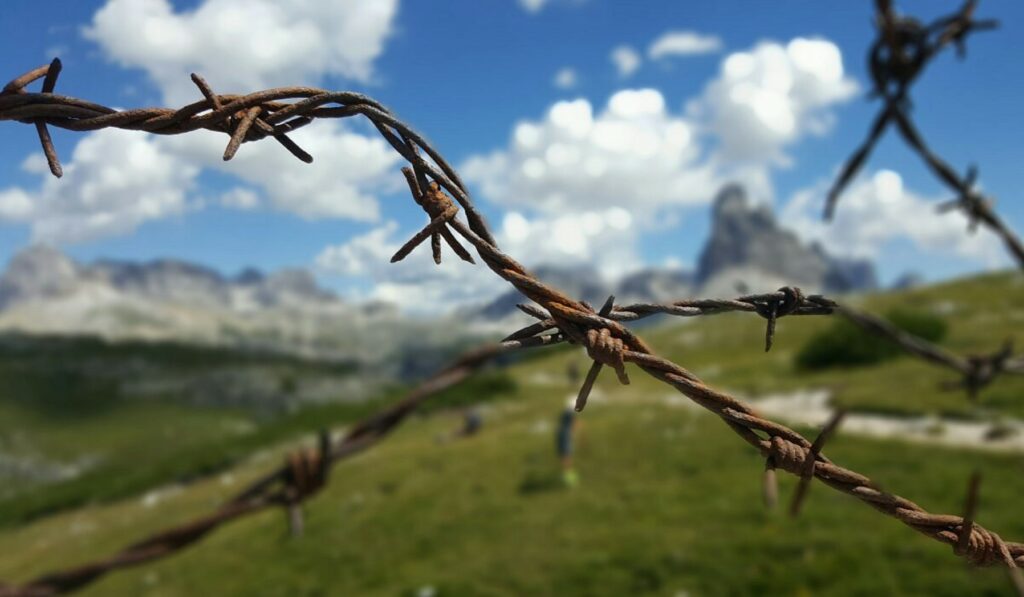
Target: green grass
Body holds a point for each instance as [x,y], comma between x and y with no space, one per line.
[62,402]
[668,503]
[154,443]
[982,312]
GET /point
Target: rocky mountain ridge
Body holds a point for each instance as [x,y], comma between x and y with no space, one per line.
[746,237]
[748,251]
[43,291]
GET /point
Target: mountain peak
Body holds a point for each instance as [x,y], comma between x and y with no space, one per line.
[746,236]
[38,271]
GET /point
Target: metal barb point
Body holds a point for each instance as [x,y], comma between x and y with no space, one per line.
[810,461]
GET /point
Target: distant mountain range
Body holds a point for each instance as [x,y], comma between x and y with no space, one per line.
[45,292]
[748,247]
[748,251]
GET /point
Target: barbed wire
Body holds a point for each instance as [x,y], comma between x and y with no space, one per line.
[903,49]
[976,370]
[275,113]
[304,473]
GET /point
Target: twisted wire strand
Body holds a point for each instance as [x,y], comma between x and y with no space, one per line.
[605,339]
[303,474]
[976,371]
[903,49]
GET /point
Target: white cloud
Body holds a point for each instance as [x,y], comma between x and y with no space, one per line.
[602,238]
[566,78]
[115,181]
[362,254]
[767,98]
[626,60]
[878,209]
[15,205]
[240,198]
[244,45]
[533,6]
[683,43]
[635,155]
[416,283]
[340,183]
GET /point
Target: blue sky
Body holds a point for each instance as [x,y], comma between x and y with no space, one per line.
[468,73]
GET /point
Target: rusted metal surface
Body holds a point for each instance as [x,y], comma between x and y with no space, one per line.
[437,188]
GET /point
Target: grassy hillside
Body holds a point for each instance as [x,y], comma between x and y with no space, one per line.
[982,312]
[668,502]
[82,419]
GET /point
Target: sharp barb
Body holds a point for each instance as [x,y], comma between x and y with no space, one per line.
[456,245]
[50,82]
[770,485]
[588,385]
[769,332]
[241,131]
[413,242]
[435,246]
[207,91]
[970,508]
[48,149]
[533,311]
[292,147]
[812,455]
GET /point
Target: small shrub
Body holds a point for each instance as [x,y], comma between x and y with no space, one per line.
[844,344]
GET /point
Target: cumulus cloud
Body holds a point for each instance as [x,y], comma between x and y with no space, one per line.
[634,154]
[340,183]
[535,6]
[770,96]
[243,45]
[683,43]
[566,78]
[118,180]
[416,283]
[603,237]
[626,60]
[114,182]
[877,210]
[532,6]
[240,198]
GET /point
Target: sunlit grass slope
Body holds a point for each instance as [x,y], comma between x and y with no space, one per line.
[668,502]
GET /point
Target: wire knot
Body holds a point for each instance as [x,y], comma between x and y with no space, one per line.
[771,307]
[239,125]
[306,474]
[606,349]
[983,369]
[984,548]
[438,204]
[441,210]
[786,455]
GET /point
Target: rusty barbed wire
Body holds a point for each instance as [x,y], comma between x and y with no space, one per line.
[305,471]
[903,49]
[302,476]
[606,340]
[976,370]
